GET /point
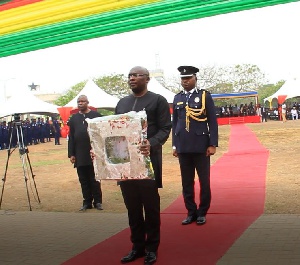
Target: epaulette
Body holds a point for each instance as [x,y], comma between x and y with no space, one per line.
[206,91]
[181,92]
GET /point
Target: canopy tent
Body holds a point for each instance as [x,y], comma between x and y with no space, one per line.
[237,95]
[290,89]
[28,25]
[96,96]
[157,88]
[26,102]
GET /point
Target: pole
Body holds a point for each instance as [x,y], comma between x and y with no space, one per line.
[4,86]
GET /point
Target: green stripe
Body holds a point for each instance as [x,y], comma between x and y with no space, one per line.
[120,21]
[2,2]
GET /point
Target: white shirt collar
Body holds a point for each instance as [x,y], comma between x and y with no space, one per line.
[191,91]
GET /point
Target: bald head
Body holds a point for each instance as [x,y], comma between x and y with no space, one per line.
[138,79]
[82,103]
[139,69]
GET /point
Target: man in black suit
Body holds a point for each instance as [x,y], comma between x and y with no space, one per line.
[195,138]
[263,114]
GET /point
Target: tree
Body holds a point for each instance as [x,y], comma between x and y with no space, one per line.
[215,79]
[237,78]
[70,94]
[268,90]
[246,77]
[115,85]
[211,78]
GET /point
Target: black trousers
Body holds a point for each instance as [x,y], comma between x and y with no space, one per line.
[91,189]
[142,201]
[189,162]
[264,117]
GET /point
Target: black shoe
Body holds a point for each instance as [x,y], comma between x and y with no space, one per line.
[189,220]
[132,255]
[150,258]
[85,207]
[201,220]
[98,206]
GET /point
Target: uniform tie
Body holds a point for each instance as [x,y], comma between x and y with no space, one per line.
[187,96]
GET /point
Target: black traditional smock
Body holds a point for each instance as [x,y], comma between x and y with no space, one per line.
[159,124]
[79,140]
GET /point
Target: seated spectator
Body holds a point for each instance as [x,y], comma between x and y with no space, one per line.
[235,110]
[276,114]
[294,113]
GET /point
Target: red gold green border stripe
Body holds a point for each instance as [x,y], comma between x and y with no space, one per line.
[52,11]
[117,20]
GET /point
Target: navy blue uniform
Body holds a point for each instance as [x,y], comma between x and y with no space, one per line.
[56,125]
[192,136]
[1,137]
[47,130]
[42,131]
[34,132]
[5,135]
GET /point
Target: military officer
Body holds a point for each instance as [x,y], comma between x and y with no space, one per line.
[1,137]
[5,135]
[195,138]
[34,131]
[57,135]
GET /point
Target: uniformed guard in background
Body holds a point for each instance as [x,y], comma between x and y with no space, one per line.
[1,137]
[34,131]
[48,130]
[42,130]
[5,135]
[57,135]
[195,138]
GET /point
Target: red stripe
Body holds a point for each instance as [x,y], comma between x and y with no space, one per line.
[17,3]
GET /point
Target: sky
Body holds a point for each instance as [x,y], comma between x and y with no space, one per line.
[267,37]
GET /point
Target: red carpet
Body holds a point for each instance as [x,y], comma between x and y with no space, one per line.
[238,194]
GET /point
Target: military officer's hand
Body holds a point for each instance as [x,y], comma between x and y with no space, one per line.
[145,148]
[211,150]
[72,159]
[175,153]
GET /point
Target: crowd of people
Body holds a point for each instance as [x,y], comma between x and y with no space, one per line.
[29,132]
[282,112]
[235,110]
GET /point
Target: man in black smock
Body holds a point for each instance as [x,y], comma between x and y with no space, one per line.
[79,153]
[142,195]
[195,138]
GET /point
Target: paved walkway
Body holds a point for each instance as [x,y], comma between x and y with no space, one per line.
[50,238]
